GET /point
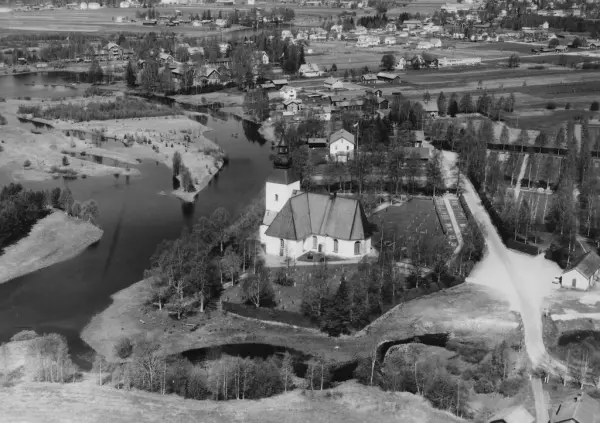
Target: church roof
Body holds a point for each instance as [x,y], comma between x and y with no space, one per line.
[320,214]
[283,176]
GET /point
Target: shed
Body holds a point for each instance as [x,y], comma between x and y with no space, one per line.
[583,274]
[388,77]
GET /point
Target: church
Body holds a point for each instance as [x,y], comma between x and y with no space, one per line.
[297,222]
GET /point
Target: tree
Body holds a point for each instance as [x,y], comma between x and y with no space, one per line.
[90,212]
[66,200]
[426,97]
[336,320]
[595,106]
[315,290]
[466,104]
[435,173]
[257,289]
[287,371]
[388,61]
[65,161]
[95,73]
[130,75]
[514,61]
[177,163]
[504,136]
[442,104]
[76,209]
[333,68]
[231,263]
[553,43]
[453,105]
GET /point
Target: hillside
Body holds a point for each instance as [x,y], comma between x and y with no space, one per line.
[86,402]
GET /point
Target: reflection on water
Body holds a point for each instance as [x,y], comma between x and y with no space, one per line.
[51,85]
[135,218]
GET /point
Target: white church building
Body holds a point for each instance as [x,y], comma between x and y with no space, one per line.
[297,222]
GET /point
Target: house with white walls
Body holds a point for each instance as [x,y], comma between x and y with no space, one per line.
[341,145]
[297,222]
[287,93]
[583,274]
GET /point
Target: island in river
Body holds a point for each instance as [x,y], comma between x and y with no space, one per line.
[38,150]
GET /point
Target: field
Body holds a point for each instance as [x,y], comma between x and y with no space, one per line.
[408,221]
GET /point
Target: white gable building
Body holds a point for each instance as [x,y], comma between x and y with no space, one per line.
[341,145]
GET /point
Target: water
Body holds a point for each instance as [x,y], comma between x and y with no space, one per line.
[51,85]
[135,218]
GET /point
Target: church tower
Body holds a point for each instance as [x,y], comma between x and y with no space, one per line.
[282,181]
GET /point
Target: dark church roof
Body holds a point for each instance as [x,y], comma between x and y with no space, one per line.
[320,214]
[283,176]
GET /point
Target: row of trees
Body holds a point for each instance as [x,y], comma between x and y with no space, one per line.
[486,104]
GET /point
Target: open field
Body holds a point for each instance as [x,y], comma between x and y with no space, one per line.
[53,239]
[86,402]
[463,310]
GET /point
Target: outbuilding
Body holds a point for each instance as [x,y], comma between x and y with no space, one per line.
[583,274]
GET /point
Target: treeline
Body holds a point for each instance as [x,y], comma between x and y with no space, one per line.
[120,108]
[188,273]
[566,23]
[372,22]
[20,209]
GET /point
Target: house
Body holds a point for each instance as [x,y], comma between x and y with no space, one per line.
[333,83]
[341,145]
[435,43]
[297,222]
[400,64]
[419,154]
[288,93]
[445,62]
[279,83]
[388,41]
[411,24]
[323,113]
[390,27]
[368,78]
[286,33]
[382,103]
[166,58]
[578,408]
[261,57]
[221,23]
[388,78]
[115,52]
[93,6]
[430,107]
[207,75]
[516,414]
[309,70]
[292,106]
[583,274]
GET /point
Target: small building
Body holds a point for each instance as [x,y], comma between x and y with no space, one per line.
[430,107]
[333,84]
[292,106]
[412,23]
[388,78]
[400,64]
[389,41]
[578,408]
[419,154]
[166,59]
[583,274]
[382,103]
[435,43]
[317,143]
[261,57]
[288,93]
[93,6]
[280,83]
[341,145]
[368,78]
[207,75]
[516,414]
[115,52]
[309,70]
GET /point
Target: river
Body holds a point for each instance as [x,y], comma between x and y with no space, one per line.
[136,215]
[51,85]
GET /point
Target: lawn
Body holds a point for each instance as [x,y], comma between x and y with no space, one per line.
[408,221]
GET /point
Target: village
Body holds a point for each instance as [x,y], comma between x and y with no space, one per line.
[418,213]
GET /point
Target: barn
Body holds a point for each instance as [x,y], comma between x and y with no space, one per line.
[583,274]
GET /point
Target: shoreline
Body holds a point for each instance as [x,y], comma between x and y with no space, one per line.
[156,138]
[53,239]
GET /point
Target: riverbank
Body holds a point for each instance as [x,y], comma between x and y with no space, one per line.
[53,239]
[463,311]
[128,142]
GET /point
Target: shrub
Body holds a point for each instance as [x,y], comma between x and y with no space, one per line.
[469,352]
[65,161]
[123,348]
[281,278]
[551,105]
[2,100]
[484,386]
[2,120]
[26,163]
[511,387]
[567,106]
[595,106]
[24,335]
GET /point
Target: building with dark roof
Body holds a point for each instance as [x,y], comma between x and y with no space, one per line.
[296,222]
[584,273]
[516,414]
[578,408]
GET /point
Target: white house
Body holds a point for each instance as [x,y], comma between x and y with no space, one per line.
[261,57]
[297,222]
[583,274]
[435,42]
[83,6]
[124,5]
[333,83]
[309,70]
[389,41]
[341,145]
[400,64]
[286,33]
[221,23]
[287,93]
[93,6]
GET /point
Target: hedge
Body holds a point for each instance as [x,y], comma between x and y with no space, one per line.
[522,247]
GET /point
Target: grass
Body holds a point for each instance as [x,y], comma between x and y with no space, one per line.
[347,403]
[53,239]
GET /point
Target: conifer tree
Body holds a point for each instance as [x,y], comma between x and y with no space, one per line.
[336,320]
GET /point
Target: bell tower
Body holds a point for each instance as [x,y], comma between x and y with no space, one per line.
[282,181]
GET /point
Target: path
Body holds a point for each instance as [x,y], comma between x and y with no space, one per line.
[541,408]
[521,175]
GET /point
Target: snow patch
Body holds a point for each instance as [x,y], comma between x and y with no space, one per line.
[570,314]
